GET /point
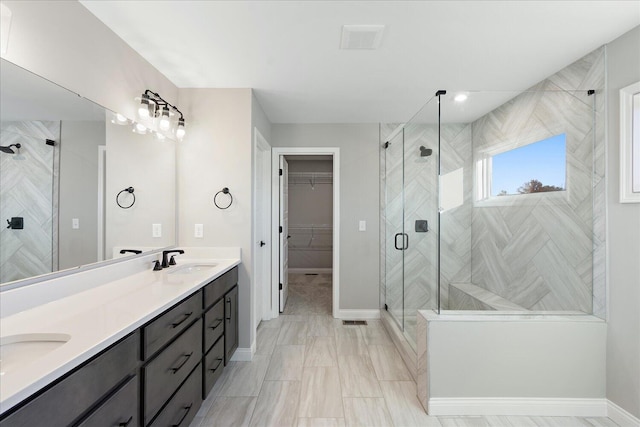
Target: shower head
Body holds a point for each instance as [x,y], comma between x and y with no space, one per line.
[8,149]
[425,152]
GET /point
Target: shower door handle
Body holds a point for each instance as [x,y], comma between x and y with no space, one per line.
[395,241]
[405,243]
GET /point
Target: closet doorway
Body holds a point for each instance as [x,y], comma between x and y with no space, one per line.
[305,243]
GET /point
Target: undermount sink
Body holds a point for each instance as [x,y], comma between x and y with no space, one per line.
[19,350]
[192,268]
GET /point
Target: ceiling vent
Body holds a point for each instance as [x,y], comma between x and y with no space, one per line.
[361,36]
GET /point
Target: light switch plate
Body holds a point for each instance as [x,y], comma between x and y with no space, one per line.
[156,230]
[198,231]
[362,226]
[75,223]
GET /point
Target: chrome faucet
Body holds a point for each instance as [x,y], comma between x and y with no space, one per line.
[165,262]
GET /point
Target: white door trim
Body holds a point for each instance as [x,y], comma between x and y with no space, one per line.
[262,308]
[276,152]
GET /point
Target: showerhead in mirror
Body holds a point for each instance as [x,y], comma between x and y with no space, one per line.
[9,150]
[425,152]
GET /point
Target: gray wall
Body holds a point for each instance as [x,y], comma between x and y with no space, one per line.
[623,328]
[359,200]
[79,143]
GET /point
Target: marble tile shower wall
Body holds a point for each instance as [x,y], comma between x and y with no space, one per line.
[540,252]
[421,202]
[28,189]
[543,255]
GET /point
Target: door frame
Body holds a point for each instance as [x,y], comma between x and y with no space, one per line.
[261,309]
[276,152]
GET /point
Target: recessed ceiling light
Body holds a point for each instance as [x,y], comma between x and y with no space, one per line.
[461,97]
[361,36]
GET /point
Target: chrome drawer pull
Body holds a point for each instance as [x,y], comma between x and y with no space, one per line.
[186,359]
[217,366]
[126,423]
[216,325]
[186,316]
[188,408]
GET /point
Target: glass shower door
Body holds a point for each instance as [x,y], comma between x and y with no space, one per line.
[395,239]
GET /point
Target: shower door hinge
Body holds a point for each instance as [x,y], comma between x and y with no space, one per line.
[280,286]
[386,307]
[386,145]
[280,172]
[280,229]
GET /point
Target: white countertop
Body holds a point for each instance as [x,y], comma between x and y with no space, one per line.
[95,319]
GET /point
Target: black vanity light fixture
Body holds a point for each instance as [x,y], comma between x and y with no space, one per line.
[155,112]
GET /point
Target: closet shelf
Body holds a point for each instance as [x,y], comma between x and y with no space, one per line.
[311,237]
[310,178]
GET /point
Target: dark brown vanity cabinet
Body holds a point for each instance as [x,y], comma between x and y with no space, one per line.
[231,323]
[156,376]
[99,390]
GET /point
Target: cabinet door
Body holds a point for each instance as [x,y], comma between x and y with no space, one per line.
[121,409]
[230,324]
[66,401]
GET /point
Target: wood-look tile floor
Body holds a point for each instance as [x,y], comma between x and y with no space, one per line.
[311,371]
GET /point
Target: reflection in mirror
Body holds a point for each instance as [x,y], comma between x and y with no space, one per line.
[63,160]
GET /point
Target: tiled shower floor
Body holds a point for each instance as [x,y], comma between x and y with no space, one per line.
[309,370]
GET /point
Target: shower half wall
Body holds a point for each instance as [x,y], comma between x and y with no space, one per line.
[485,251]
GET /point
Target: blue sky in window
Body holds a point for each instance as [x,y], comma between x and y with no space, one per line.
[544,160]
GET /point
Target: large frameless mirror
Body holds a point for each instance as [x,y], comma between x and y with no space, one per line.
[77,185]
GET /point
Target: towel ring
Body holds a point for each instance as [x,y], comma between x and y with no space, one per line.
[225,190]
[130,191]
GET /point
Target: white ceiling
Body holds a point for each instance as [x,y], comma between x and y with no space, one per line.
[288,51]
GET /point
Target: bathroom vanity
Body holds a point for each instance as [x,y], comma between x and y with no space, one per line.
[144,350]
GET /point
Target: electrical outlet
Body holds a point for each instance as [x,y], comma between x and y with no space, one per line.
[75,223]
[156,230]
[362,226]
[198,231]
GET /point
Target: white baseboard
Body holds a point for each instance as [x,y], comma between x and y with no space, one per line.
[310,270]
[244,354]
[358,314]
[519,406]
[620,416]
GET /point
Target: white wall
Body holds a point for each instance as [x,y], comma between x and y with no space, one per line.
[79,143]
[63,42]
[217,153]
[149,166]
[359,200]
[623,329]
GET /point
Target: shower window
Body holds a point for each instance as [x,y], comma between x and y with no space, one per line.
[538,167]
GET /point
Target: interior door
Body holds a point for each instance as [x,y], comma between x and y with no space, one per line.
[284,232]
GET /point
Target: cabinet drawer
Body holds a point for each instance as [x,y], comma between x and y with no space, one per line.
[165,372]
[213,366]
[216,289]
[121,409]
[184,405]
[161,330]
[62,404]
[213,324]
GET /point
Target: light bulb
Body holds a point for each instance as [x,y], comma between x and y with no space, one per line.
[159,136]
[143,110]
[140,128]
[165,123]
[119,119]
[180,130]
[461,97]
